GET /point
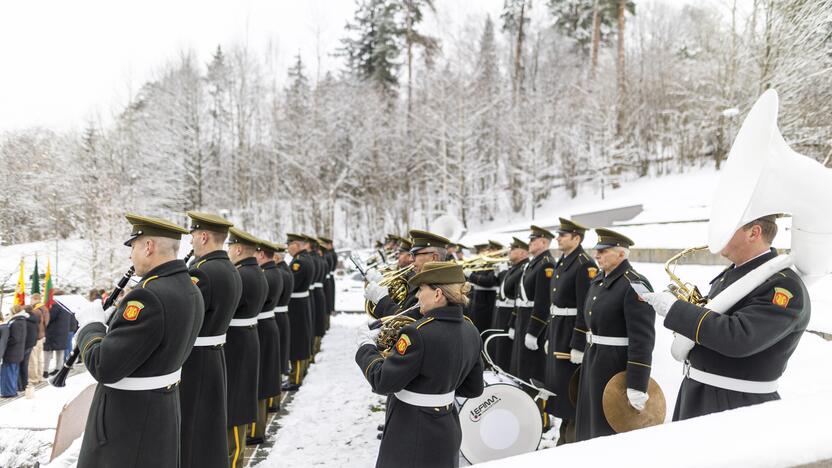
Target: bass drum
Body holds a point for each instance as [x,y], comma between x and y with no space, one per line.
[502,422]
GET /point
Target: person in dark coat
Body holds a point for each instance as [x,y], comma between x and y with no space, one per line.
[620,335]
[313,299]
[14,351]
[331,259]
[300,309]
[203,394]
[319,322]
[137,357]
[281,312]
[55,343]
[573,272]
[435,359]
[527,328]
[485,286]
[33,323]
[268,380]
[738,355]
[509,281]
[242,347]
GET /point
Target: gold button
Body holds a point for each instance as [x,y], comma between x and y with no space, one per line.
[590,312]
[554,289]
[602,283]
[594,297]
[557,276]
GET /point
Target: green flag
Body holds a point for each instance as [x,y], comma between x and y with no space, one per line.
[35,279]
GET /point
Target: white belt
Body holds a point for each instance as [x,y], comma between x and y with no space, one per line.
[269,314]
[328,275]
[728,383]
[146,383]
[210,340]
[506,303]
[245,322]
[281,309]
[319,285]
[425,399]
[562,311]
[607,340]
[312,286]
[296,295]
[483,288]
[522,303]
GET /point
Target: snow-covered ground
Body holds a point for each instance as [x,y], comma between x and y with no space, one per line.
[333,418]
[27,426]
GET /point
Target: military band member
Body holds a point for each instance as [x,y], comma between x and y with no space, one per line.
[509,280]
[281,312]
[484,285]
[620,335]
[329,280]
[426,247]
[435,358]
[740,354]
[300,309]
[313,297]
[242,347]
[203,396]
[268,332]
[533,300]
[404,258]
[321,311]
[573,272]
[134,418]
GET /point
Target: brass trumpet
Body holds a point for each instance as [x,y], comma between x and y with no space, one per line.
[484,262]
[687,292]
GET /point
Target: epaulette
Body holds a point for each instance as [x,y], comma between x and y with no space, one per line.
[583,258]
[200,263]
[632,276]
[144,283]
[427,321]
[468,319]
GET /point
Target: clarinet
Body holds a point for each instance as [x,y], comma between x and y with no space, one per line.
[59,379]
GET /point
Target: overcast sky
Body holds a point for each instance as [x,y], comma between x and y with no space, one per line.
[66,62]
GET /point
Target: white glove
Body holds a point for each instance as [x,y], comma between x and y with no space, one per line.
[576,357]
[373,276]
[374,292]
[511,333]
[368,337]
[109,313]
[92,313]
[637,399]
[531,342]
[681,347]
[501,267]
[467,273]
[661,301]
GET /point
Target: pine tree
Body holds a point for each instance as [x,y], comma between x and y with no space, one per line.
[373,47]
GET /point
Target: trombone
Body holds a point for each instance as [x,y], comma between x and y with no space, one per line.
[484,262]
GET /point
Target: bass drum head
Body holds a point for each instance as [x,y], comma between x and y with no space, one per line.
[502,422]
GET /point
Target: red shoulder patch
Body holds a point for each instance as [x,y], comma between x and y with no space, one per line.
[131,312]
[402,344]
[781,297]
